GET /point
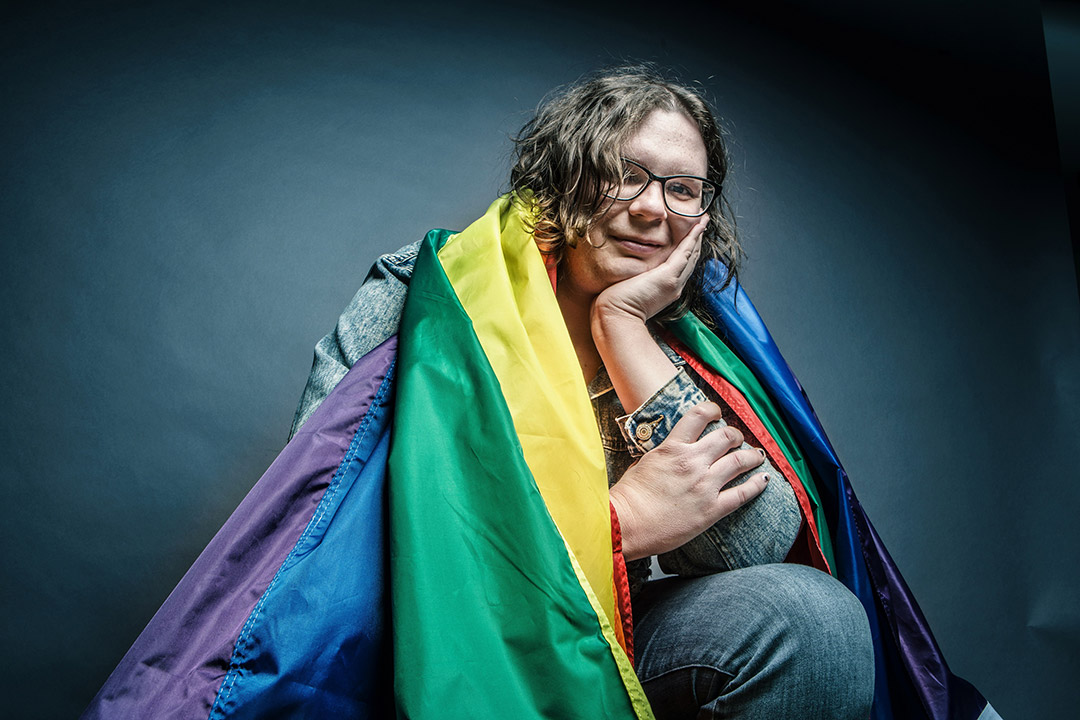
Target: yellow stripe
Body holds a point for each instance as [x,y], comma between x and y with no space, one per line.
[636,693]
[505,290]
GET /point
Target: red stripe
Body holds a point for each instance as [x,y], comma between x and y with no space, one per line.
[735,400]
[622,588]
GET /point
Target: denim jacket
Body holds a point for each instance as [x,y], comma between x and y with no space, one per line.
[762,531]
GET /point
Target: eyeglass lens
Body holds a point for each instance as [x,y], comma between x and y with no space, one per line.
[683,194]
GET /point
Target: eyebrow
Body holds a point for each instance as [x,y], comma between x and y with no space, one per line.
[677,174]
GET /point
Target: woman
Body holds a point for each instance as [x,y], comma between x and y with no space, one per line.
[623,176]
[506,424]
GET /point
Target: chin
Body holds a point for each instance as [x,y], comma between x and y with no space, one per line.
[622,271]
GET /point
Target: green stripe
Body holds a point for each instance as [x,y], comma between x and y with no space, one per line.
[717,355]
[489,618]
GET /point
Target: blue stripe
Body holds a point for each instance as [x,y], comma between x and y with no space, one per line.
[315,645]
[751,341]
[912,678]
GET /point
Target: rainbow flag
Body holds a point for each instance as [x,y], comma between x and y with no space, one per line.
[475,550]
[436,540]
[912,679]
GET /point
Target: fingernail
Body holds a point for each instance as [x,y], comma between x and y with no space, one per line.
[762,453]
[765,478]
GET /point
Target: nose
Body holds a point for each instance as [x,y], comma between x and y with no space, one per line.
[650,203]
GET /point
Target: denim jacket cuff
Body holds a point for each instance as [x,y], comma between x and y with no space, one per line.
[650,424]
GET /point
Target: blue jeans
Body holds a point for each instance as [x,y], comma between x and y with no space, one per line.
[768,641]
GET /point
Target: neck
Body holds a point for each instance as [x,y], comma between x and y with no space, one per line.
[576,311]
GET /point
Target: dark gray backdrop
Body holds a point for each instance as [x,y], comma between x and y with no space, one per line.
[190,193]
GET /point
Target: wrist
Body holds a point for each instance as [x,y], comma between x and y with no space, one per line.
[636,364]
[608,309]
[627,524]
[609,321]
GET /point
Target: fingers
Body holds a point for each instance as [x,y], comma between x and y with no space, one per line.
[732,498]
[719,449]
[687,483]
[698,228]
[696,234]
[692,241]
[650,292]
[688,269]
[719,440]
[690,426]
[733,464]
[686,254]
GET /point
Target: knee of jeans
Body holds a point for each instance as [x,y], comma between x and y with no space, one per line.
[785,637]
[804,593]
[822,624]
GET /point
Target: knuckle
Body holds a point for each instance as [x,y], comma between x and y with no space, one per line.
[735,462]
[682,465]
[665,449]
[706,410]
[679,459]
[749,459]
[738,496]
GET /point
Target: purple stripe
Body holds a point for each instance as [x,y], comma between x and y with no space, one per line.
[176,665]
[944,696]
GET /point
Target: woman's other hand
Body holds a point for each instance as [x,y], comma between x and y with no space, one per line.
[677,490]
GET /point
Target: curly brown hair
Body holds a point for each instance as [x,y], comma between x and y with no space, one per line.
[570,151]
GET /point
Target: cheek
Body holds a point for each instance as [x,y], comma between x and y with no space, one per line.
[592,270]
[595,238]
[663,255]
[577,265]
[680,226]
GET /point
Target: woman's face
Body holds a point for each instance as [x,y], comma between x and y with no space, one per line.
[633,236]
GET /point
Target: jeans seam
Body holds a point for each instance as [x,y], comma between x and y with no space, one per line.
[688,666]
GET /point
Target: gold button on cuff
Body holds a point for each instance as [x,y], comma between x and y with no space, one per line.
[645,430]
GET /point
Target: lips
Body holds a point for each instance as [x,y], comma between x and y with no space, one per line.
[638,246]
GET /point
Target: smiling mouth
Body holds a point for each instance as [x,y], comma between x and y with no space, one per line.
[637,247]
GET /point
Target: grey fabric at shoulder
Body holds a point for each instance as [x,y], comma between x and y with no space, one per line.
[399,263]
[370,318]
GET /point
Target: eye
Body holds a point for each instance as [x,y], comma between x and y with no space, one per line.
[684,188]
[633,174]
[633,180]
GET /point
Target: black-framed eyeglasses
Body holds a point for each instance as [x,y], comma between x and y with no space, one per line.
[686,195]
